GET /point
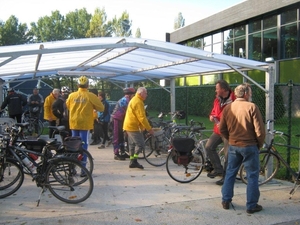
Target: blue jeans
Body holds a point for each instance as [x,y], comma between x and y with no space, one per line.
[84,137]
[249,156]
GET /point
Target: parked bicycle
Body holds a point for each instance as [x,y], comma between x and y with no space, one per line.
[35,127]
[59,174]
[270,161]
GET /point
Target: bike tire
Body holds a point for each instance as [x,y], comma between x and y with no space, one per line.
[11,177]
[156,153]
[264,158]
[182,173]
[67,186]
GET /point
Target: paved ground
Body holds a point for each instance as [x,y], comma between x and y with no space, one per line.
[132,196]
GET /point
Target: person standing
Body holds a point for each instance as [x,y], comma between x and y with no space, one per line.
[224,96]
[35,103]
[135,123]
[15,103]
[117,118]
[59,109]
[242,125]
[104,118]
[81,105]
[48,115]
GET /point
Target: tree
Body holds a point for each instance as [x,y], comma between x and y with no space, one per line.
[121,27]
[50,28]
[98,26]
[78,23]
[138,33]
[179,21]
[13,33]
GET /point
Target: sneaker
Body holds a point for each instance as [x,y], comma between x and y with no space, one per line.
[257,208]
[101,146]
[225,205]
[214,174]
[119,157]
[135,164]
[220,182]
[125,155]
[83,175]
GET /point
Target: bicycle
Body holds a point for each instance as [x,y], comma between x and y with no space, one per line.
[58,174]
[270,161]
[35,127]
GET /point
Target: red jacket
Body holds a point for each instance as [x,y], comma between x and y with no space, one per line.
[219,105]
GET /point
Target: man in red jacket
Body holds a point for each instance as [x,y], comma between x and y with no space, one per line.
[224,96]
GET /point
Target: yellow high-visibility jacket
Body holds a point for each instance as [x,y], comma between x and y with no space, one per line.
[49,100]
[135,117]
[81,105]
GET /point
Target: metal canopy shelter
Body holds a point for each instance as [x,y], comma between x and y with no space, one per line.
[122,61]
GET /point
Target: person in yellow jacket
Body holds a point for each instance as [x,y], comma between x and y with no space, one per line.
[135,123]
[81,105]
[48,115]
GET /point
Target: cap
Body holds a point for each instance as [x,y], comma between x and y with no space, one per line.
[128,91]
[10,90]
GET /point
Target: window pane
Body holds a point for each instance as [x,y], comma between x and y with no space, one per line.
[239,47]
[217,48]
[270,44]
[239,31]
[207,40]
[289,16]
[208,48]
[270,22]
[217,38]
[255,47]
[254,26]
[289,41]
[228,47]
[228,34]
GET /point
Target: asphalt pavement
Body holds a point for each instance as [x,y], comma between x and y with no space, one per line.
[132,196]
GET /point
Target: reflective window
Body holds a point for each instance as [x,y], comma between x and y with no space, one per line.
[254,26]
[228,47]
[239,31]
[217,48]
[239,47]
[270,22]
[208,48]
[207,40]
[270,44]
[288,41]
[217,38]
[254,48]
[289,16]
[228,34]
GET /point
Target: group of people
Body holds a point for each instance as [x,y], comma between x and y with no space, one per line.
[238,124]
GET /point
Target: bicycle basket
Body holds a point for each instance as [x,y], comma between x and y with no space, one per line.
[184,145]
[73,144]
[158,140]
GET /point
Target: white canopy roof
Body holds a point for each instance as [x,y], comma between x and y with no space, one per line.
[123,60]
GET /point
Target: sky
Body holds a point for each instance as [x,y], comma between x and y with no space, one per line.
[155,18]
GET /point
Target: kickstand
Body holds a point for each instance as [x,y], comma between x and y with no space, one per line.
[292,192]
[38,201]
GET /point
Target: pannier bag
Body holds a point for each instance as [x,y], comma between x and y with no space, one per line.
[184,148]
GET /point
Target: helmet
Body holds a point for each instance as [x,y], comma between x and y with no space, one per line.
[65,89]
[10,90]
[128,91]
[83,80]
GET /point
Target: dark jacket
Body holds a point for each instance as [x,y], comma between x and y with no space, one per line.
[59,108]
[15,103]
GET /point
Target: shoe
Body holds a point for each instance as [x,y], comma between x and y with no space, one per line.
[257,208]
[119,157]
[95,143]
[83,175]
[225,205]
[109,143]
[214,174]
[220,182]
[101,146]
[125,155]
[134,164]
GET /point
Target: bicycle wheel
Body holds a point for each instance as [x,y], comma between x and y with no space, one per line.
[185,173]
[269,166]
[11,177]
[66,184]
[40,128]
[156,151]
